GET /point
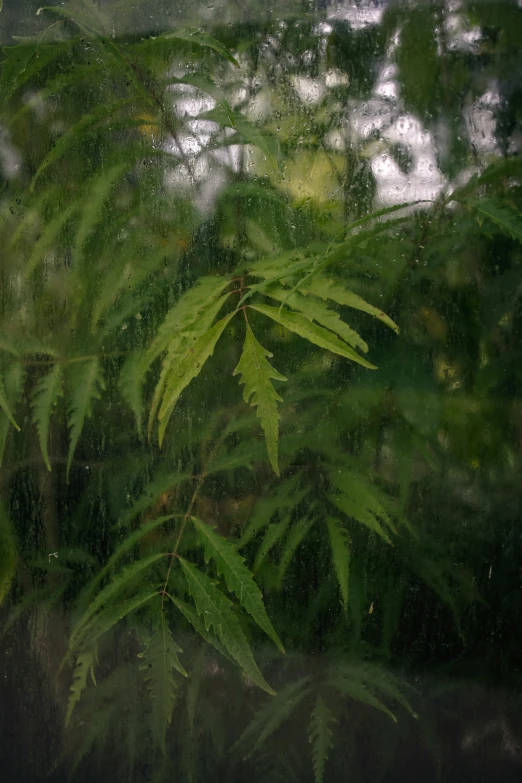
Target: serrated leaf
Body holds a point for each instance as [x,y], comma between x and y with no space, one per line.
[203,39]
[101,113]
[320,735]
[193,315]
[298,323]
[160,657]
[216,610]
[187,311]
[5,405]
[126,546]
[181,373]
[358,501]
[280,499]
[340,556]
[108,593]
[49,236]
[250,132]
[237,576]
[315,310]
[91,206]
[257,374]
[502,215]
[108,618]
[297,534]
[199,626]
[12,390]
[325,288]
[45,396]
[359,692]
[84,663]
[85,385]
[270,717]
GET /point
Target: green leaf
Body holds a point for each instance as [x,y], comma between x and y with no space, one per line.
[4,405]
[112,589]
[325,288]
[45,396]
[12,390]
[49,236]
[126,546]
[270,717]
[217,613]
[297,534]
[106,619]
[502,215]
[188,320]
[250,132]
[296,322]
[357,501]
[359,692]
[237,576]
[201,38]
[85,384]
[199,626]
[160,657]
[91,207]
[340,556]
[320,735]
[84,665]
[256,374]
[280,499]
[103,112]
[181,373]
[184,317]
[315,310]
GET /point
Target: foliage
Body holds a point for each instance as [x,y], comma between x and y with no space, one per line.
[179,214]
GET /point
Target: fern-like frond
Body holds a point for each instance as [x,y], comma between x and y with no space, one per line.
[359,502]
[298,323]
[315,310]
[110,591]
[84,665]
[237,576]
[102,113]
[257,374]
[340,550]
[160,658]
[85,385]
[11,389]
[91,207]
[180,373]
[326,288]
[199,626]
[502,215]
[4,405]
[271,716]
[320,735]
[296,536]
[45,396]
[216,610]
[282,497]
[187,312]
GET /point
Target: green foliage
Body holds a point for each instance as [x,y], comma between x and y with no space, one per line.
[160,657]
[320,737]
[216,610]
[132,292]
[257,375]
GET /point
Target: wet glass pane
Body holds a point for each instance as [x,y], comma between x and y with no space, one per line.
[260,391]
